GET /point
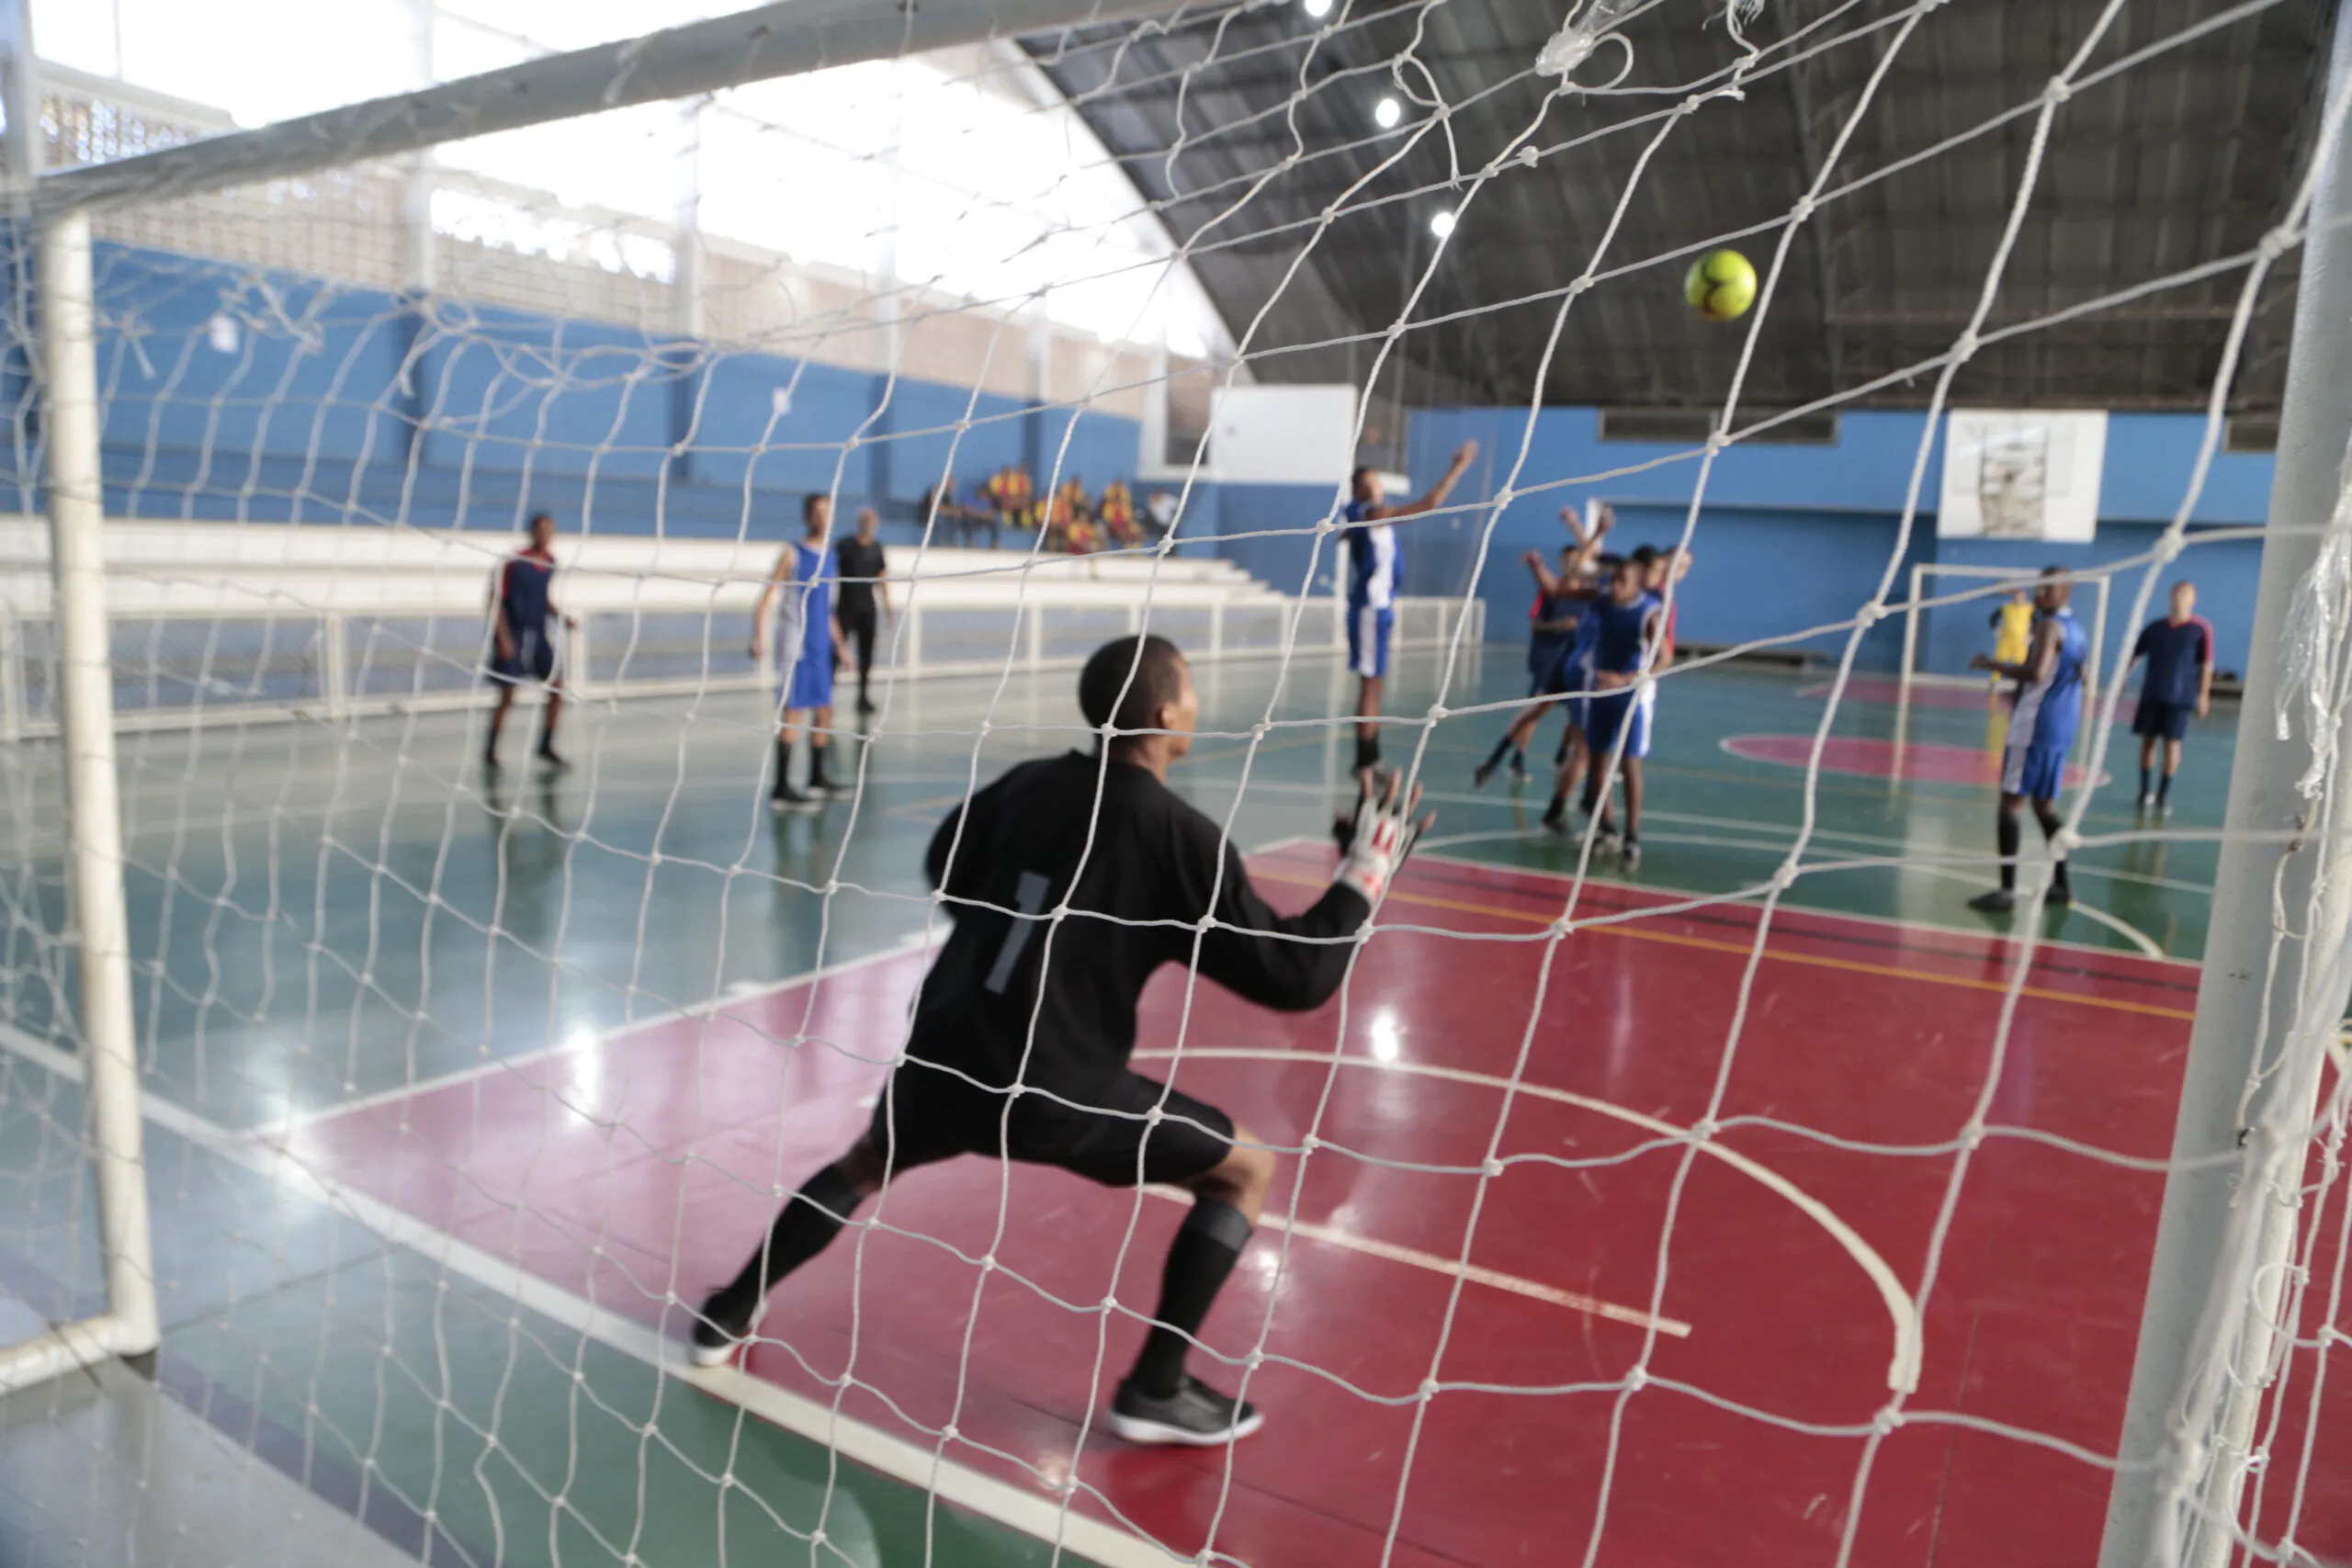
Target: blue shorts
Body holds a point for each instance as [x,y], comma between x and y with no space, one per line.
[1368,639]
[1610,712]
[534,658]
[2035,769]
[808,679]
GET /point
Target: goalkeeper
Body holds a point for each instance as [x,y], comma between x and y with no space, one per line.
[1019,996]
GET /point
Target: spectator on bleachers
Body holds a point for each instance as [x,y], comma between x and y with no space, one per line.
[955,522]
[1071,527]
[1118,515]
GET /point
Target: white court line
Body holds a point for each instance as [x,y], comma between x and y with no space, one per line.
[734,997]
[1031,1511]
[1902,1372]
[1372,1247]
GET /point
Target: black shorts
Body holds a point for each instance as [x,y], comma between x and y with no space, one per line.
[534,660]
[927,1116]
[2166,720]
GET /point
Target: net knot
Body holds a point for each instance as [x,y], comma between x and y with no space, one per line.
[1870,614]
[1327,525]
[2058,92]
[2168,547]
[2274,244]
[988,1262]
[1526,156]
[816,1538]
[1429,1387]
[1438,711]
[1153,1117]
[1971,1137]
[1804,208]
[1579,284]
[1886,1421]
[1491,1167]
[1261,729]
[1963,347]
[1309,1144]
[1702,1131]
[1637,1378]
[1785,874]
[1254,1359]
[2065,840]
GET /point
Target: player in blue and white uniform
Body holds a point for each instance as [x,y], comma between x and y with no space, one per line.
[1369,554]
[1626,624]
[1558,610]
[808,638]
[523,648]
[2042,730]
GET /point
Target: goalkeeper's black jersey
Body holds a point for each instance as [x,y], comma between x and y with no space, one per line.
[1149,873]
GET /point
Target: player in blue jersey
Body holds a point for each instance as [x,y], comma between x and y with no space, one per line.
[1560,598]
[1368,554]
[2042,730]
[1626,624]
[523,648]
[809,638]
[2179,682]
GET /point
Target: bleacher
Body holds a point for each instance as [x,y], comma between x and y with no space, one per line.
[227,621]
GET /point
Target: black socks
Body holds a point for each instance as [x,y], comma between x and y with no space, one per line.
[2143,781]
[1367,752]
[816,779]
[809,1219]
[783,767]
[2009,838]
[2049,826]
[1204,1253]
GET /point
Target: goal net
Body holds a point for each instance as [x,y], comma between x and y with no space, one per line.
[390,1071]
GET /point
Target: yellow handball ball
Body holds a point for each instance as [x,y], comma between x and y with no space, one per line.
[1720,284]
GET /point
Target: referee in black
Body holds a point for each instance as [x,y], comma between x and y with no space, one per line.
[1035,986]
[860,574]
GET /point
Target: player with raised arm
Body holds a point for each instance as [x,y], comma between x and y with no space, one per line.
[1628,625]
[808,640]
[2042,730]
[1559,605]
[521,606]
[1369,552]
[861,574]
[2179,682]
[1071,880]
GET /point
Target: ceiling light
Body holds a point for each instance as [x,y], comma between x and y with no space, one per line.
[1442,223]
[1319,9]
[1386,113]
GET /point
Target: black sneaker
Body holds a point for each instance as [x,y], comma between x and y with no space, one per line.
[714,1344]
[1480,774]
[1519,767]
[553,760]
[1196,1415]
[790,799]
[1556,820]
[1999,901]
[2059,894]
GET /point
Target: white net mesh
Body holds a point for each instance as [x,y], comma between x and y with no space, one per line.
[1719,1214]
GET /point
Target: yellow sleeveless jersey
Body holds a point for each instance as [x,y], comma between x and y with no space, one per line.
[2014,638]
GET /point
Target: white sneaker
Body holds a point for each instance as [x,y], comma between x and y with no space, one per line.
[1195,1417]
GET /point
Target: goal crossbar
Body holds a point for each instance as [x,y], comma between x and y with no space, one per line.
[761,44]
[2004,576]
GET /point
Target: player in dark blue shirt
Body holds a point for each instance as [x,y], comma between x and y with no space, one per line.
[1559,605]
[2179,682]
[521,645]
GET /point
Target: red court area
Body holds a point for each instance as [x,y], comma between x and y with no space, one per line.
[1924,693]
[652,1162]
[1927,762]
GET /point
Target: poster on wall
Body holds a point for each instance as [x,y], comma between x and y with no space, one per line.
[2025,474]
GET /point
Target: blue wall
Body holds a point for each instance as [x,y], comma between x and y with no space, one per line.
[344,404]
[1792,538]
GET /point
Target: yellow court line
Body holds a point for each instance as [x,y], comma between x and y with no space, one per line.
[1851,965]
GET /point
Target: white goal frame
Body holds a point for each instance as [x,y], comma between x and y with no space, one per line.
[2006,577]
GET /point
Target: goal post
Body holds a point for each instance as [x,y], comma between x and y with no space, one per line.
[1970,602]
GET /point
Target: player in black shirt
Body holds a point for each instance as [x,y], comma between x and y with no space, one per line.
[860,574]
[1071,879]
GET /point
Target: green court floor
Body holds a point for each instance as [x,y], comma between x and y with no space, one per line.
[321,914]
